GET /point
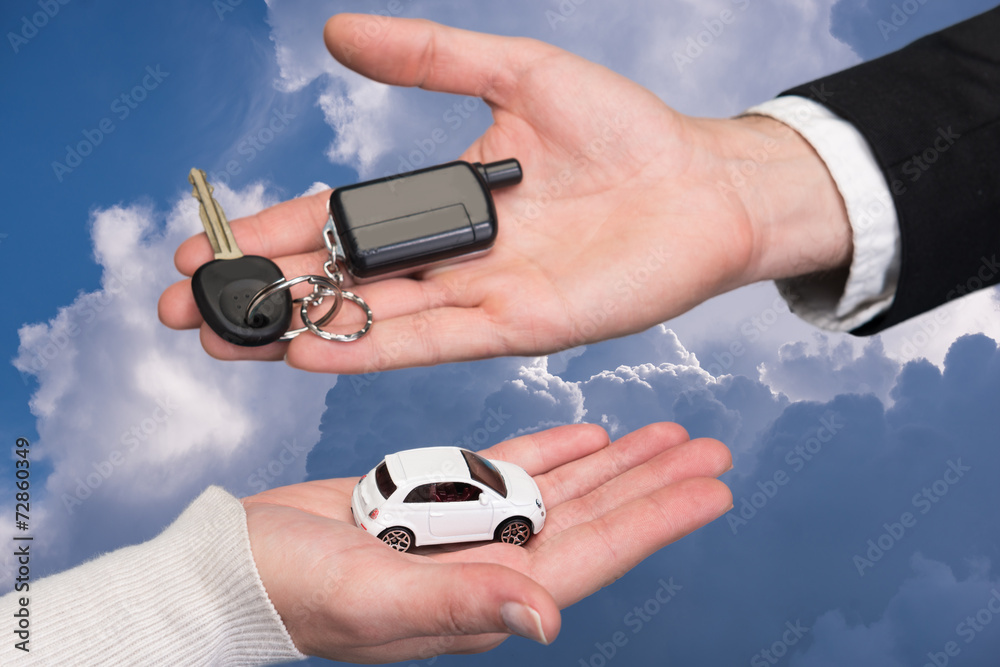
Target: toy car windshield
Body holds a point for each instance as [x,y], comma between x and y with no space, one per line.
[485,472]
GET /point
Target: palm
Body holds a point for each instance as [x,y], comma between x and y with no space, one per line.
[609,506]
[612,198]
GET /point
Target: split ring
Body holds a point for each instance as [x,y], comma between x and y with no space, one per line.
[344,338]
[322,287]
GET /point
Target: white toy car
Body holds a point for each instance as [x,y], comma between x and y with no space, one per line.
[437,495]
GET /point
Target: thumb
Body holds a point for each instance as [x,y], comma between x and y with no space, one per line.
[416,52]
[477,598]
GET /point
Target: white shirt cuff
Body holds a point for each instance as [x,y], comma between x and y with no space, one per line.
[825,300]
[190,596]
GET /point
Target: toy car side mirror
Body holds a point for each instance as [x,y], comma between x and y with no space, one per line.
[484,499]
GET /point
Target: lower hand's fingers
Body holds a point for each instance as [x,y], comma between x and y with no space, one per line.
[476,598]
[580,477]
[600,551]
[425,648]
[686,460]
[546,450]
[431,608]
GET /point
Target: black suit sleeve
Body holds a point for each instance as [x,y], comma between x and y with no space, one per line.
[931,113]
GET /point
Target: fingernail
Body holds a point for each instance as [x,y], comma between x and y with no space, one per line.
[524,621]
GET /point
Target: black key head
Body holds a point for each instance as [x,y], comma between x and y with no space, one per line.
[223,289]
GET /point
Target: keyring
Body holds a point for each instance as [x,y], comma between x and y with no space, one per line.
[344,338]
[322,287]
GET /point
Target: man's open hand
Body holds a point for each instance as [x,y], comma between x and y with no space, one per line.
[627,216]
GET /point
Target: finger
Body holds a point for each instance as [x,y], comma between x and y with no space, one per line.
[387,299]
[460,599]
[390,299]
[541,452]
[393,341]
[578,478]
[421,339]
[289,228]
[176,307]
[600,551]
[400,297]
[424,648]
[687,460]
[226,351]
[409,52]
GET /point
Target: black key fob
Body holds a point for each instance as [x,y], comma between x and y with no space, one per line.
[401,224]
[223,289]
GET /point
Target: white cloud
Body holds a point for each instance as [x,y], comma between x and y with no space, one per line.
[297,33]
[930,335]
[370,121]
[135,418]
[359,111]
[844,368]
[718,57]
[742,61]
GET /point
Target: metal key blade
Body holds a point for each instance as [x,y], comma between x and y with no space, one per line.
[213,218]
[224,287]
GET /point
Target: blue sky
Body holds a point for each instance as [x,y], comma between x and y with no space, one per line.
[835,440]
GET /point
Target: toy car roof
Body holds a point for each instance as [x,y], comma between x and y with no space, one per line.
[428,463]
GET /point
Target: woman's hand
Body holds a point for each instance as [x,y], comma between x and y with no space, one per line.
[344,595]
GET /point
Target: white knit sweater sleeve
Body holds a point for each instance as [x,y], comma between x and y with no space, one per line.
[190,596]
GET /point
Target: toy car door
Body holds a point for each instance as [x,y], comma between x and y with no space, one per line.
[460,509]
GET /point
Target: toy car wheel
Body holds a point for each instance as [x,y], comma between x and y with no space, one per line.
[398,538]
[514,531]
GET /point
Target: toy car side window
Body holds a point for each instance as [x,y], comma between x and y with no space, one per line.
[455,492]
[463,492]
[384,481]
[443,492]
[421,494]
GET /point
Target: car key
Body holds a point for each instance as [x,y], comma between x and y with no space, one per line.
[224,287]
